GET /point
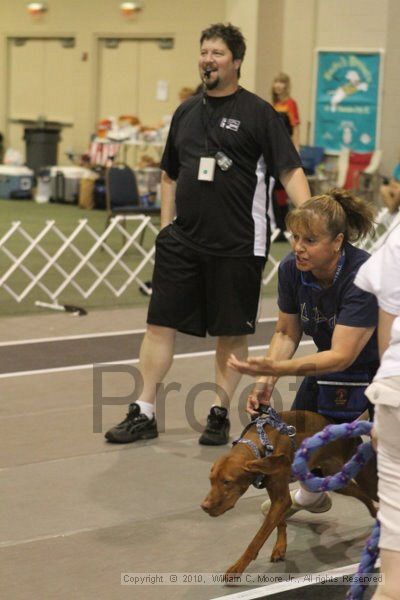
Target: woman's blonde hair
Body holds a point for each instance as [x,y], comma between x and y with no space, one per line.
[283,78]
[342,211]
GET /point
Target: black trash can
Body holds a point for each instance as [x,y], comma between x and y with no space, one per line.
[41,147]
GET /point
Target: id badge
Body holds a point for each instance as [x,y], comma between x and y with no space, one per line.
[206,169]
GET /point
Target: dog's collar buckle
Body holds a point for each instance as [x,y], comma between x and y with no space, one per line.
[259,482]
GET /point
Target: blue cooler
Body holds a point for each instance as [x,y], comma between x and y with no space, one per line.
[15,182]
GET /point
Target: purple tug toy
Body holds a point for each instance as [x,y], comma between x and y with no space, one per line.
[364,452]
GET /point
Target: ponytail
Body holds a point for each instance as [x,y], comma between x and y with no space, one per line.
[342,211]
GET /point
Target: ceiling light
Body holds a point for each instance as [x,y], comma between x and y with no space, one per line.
[36,8]
[130,8]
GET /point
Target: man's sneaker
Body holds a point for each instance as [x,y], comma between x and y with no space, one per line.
[216,432]
[136,426]
[321,505]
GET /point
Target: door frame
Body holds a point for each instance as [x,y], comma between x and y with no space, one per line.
[9,41]
[168,39]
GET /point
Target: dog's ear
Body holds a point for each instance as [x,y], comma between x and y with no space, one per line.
[269,465]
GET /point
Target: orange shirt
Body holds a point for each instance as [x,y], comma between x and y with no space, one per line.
[289,107]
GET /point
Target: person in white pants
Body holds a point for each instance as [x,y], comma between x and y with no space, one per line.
[380,275]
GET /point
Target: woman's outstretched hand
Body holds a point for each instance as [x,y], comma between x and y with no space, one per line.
[257,365]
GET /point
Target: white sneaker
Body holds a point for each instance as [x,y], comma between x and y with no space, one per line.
[321,505]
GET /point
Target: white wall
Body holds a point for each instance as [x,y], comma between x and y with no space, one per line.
[390,127]
[86,20]
[245,15]
[270,33]
[300,24]
[281,35]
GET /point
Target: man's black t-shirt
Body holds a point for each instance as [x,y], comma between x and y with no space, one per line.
[226,216]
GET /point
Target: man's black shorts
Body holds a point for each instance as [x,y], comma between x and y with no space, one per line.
[198,293]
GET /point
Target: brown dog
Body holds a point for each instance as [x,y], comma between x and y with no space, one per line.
[234,472]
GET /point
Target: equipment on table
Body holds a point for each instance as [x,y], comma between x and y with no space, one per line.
[65,183]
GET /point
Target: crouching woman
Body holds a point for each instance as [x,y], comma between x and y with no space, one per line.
[317,296]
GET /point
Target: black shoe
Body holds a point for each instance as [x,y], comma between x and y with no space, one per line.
[216,432]
[281,237]
[135,427]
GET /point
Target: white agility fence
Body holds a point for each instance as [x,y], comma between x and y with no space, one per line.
[272,266]
[385,222]
[98,257]
[89,251]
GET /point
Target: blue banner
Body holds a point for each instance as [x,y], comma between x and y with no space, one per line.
[346,108]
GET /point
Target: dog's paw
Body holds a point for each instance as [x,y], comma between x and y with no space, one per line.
[236,569]
[278,554]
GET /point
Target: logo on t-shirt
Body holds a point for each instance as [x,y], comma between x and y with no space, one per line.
[304,314]
[231,124]
[318,316]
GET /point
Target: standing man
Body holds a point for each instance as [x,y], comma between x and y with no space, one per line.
[222,148]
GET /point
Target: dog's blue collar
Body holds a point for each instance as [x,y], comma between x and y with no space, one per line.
[267,416]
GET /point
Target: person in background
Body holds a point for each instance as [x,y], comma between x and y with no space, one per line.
[317,296]
[185,93]
[287,109]
[390,192]
[222,146]
[380,275]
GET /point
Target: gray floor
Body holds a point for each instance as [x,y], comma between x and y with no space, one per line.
[76,511]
